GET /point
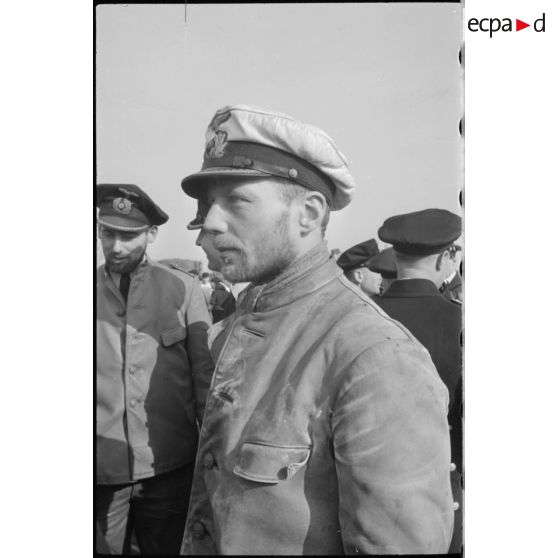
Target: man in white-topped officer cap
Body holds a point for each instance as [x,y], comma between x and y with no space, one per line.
[325,429]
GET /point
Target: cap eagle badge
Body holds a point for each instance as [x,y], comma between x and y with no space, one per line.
[215,147]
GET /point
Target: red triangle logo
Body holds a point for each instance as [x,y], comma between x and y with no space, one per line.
[519,25]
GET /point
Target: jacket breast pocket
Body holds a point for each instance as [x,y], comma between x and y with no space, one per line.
[268,463]
[173,335]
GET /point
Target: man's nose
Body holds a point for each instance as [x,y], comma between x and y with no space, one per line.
[117,246]
[215,220]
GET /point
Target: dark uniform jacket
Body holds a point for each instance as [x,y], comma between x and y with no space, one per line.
[325,430]
[153,372]
[437,324]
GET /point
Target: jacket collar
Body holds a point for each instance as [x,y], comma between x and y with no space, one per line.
[412,288]
[139,270]
[306,274]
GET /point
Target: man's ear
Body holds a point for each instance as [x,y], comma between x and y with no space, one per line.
[358,275]
[312,211]
[152,234]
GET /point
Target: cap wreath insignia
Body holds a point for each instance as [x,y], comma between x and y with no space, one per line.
[122,205]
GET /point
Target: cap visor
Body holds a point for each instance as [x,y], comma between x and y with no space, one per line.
[194,184]
[121,224]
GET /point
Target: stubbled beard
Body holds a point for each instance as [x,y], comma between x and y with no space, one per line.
[270,260]
[126,266]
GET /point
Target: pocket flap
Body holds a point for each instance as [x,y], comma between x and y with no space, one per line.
[173,335]
[261,462]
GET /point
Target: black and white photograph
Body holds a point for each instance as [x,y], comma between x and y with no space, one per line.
[279,277]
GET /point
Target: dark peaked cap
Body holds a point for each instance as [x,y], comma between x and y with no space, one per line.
[421,233]
[384,264]
[127,207]
[359,255]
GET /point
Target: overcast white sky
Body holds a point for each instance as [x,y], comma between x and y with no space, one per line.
[383,80]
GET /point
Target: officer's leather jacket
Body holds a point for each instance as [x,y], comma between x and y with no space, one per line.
[325,430]
[153,372]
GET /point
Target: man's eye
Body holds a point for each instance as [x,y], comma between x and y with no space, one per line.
[237,200]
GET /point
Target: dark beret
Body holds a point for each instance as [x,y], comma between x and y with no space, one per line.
[359,255]
[127,207]
[425,232]
[384,264]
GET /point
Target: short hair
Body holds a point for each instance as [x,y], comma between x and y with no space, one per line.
[350,274]
[290,191]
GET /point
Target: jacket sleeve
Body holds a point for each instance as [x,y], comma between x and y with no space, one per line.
[392,452]
[201,363]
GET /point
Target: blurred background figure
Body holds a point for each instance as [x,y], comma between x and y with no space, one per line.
[384,264]
[424,250]
[335,253]
[207,287]
[355,265]
[222,302]
[452,286]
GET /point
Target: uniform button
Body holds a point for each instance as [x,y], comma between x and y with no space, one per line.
[132,369]
[453,467]
[293,173]
[133,403]
[208,461]
[121,313]
[198,530]
[455,506]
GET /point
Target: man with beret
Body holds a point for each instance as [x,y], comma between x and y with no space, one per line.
[153,372]
[355,265]
[325,430]
[424,249]
[384,264]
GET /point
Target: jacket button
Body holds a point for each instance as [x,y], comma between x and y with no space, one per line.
[208,461]
[132,369]
[121,313]
[133,403]
[198,530]
[456,506]
[453,467]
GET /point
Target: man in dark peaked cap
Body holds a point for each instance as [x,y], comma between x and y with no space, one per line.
[355,265]
[153,372]
[423,244]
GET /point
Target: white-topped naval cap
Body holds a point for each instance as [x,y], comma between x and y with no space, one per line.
[251,141]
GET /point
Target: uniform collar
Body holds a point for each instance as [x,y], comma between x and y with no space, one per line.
[306,274]
[115,277]
[412,288]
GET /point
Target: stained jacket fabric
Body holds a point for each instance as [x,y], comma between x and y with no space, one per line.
[153,372]
[437,324]
[325,430]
